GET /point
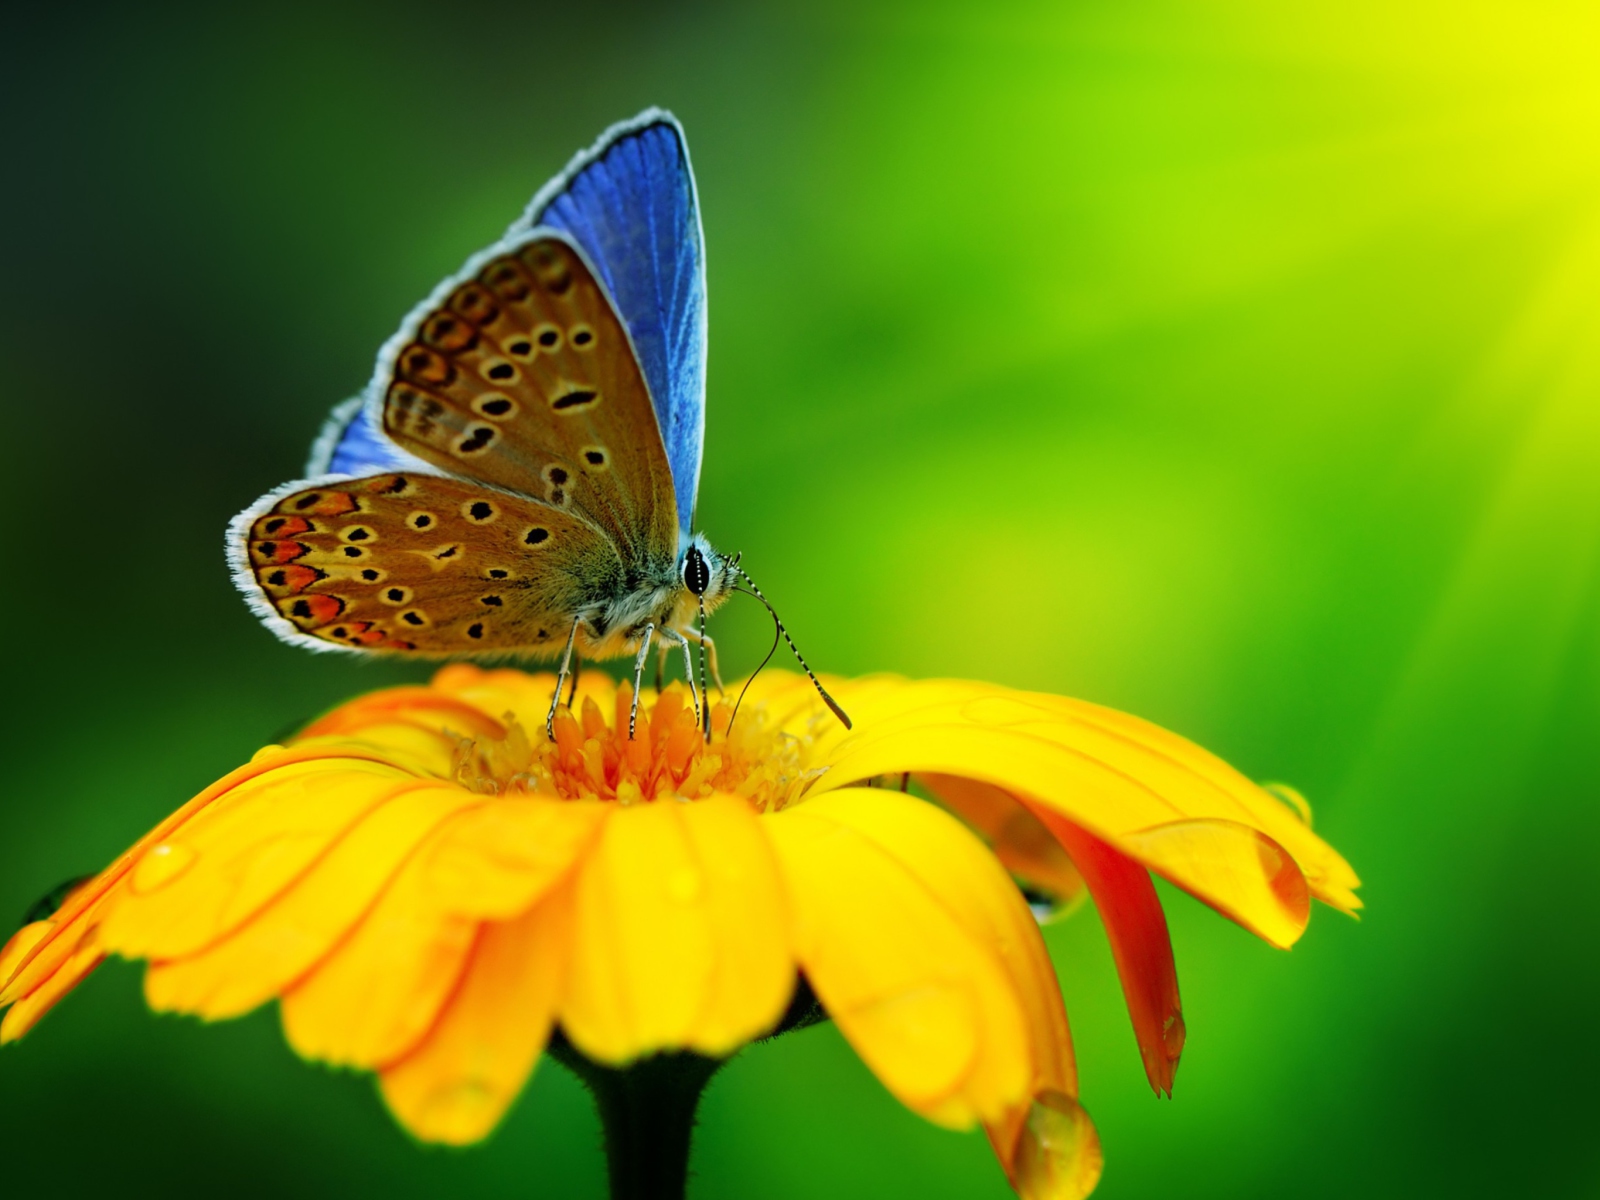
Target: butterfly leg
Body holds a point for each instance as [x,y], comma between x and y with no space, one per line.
[669,633]
[638,674]
[663,648]
[561,682]
[577,669]
[705,639]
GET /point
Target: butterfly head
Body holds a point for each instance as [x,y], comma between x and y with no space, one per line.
[707,575]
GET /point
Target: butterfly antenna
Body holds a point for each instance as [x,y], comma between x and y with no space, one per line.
[800,658]
[704,691]
[773,649]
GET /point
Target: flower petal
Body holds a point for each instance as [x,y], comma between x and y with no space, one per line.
[378,991]
[1019,839]
[678,933]
[285,940]
[496,861]
[1140,944]
[236,857]
[84,908]
[459,1081]
[1111,774]
[896,908]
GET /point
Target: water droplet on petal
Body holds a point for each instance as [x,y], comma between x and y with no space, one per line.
[161,864]
[1058,1152]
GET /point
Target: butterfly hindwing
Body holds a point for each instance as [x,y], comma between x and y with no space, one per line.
[630,203]
[524,378]
[421,564]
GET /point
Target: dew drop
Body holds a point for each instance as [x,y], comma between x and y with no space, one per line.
[1058,1152]
[161,864]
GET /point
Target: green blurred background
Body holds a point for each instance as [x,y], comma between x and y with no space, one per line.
[1232,363]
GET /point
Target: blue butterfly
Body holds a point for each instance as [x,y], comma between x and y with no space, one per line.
[520,475]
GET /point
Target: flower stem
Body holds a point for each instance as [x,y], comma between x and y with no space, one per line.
[647,1107]
[647,1114]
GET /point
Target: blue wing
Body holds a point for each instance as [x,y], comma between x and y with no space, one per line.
[629,201]
[350,445]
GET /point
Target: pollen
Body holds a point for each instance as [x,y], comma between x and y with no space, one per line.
[668,758]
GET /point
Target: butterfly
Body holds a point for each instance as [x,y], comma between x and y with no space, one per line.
[520,475]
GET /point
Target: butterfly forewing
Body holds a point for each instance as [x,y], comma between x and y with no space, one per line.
[525,379]
[421,564]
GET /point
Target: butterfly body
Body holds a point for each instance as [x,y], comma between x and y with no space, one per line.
[519,477]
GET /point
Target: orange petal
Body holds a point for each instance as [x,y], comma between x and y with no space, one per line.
[678,933]
[457,1084]
[1137,930]
[901,922]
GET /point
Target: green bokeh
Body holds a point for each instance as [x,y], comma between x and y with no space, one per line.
[1235,364]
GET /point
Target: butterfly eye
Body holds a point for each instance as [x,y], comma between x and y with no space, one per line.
[696,572]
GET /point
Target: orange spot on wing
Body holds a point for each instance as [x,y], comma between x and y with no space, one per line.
[314,609]
[279,552]
[329,504]
[292,579]
[276,525]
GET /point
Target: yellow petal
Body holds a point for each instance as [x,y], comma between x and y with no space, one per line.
[237,856]
[898,939]
[376,993]
[497,860]
[87,904]
[678,933]
[84,956]
[283,942]
[457,1084]
[1113,774]
[1018,838]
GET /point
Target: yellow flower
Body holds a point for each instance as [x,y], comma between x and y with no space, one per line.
[428,889]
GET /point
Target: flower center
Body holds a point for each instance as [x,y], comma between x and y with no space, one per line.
[669,756]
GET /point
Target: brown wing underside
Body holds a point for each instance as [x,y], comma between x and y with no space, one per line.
[425,565]
[525,379]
